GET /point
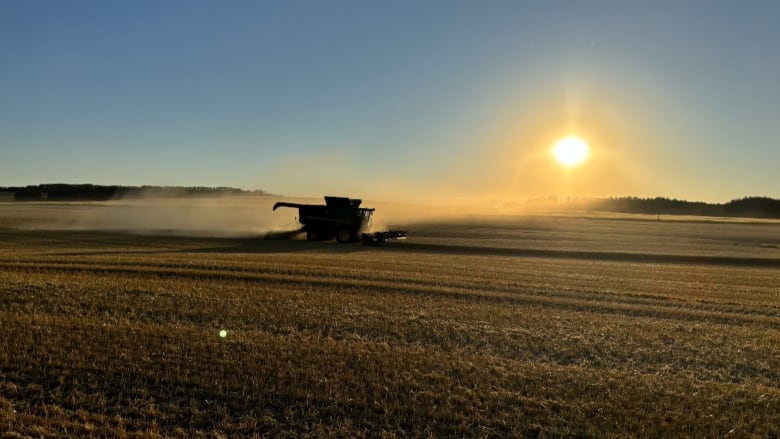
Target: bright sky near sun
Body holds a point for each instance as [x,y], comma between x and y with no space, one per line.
[394,99]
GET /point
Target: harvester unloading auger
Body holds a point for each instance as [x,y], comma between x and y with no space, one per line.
[342,218]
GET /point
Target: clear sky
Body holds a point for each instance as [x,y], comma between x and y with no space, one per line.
[394,99]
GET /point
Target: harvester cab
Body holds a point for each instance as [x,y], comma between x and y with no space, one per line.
[339,217]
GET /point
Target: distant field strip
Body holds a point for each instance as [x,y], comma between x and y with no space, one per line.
[110,335]
[597,256]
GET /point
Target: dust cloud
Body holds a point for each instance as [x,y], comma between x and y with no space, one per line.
[230,216]
[220,217]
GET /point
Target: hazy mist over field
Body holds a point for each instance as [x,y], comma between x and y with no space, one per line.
[227,216]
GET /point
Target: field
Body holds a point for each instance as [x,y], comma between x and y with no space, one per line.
[526,326]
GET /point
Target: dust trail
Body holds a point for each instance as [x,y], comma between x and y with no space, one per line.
[228,216]
[232,216]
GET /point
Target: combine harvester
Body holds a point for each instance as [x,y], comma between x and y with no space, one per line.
[342,218]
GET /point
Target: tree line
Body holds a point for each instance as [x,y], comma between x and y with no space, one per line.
[751,207]
[93,192]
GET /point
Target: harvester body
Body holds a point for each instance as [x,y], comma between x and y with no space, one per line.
[339,217]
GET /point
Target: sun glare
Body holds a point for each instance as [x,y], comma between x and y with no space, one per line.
[570,151]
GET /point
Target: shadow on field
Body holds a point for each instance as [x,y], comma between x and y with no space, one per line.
[648,258]
[261,245]
[79,243]
[282,246]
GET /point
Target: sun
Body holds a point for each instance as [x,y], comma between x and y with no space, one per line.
[571,151]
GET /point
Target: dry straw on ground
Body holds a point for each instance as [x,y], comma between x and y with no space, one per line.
[462,331]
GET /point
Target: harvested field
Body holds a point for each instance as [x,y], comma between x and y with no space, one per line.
[521,327]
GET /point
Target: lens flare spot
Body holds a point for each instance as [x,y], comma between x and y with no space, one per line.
[223,333]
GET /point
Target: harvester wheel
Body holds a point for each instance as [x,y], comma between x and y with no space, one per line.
[312,235]
[344,235]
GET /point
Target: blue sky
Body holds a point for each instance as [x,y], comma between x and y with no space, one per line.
[394,99]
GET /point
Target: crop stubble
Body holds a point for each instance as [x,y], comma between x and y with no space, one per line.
[115,335]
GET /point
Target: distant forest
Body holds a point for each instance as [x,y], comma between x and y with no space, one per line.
[92,192]
[748,207]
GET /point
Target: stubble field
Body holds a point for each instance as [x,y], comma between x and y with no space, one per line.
[536,326]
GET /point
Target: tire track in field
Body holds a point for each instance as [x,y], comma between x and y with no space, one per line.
[677,311]
[452,282]
[251,246]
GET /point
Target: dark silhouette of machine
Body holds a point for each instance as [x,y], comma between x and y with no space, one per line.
[342,218]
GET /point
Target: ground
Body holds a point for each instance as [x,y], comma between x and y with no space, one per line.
[526,326]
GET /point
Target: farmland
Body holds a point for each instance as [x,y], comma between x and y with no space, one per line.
[520,326]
